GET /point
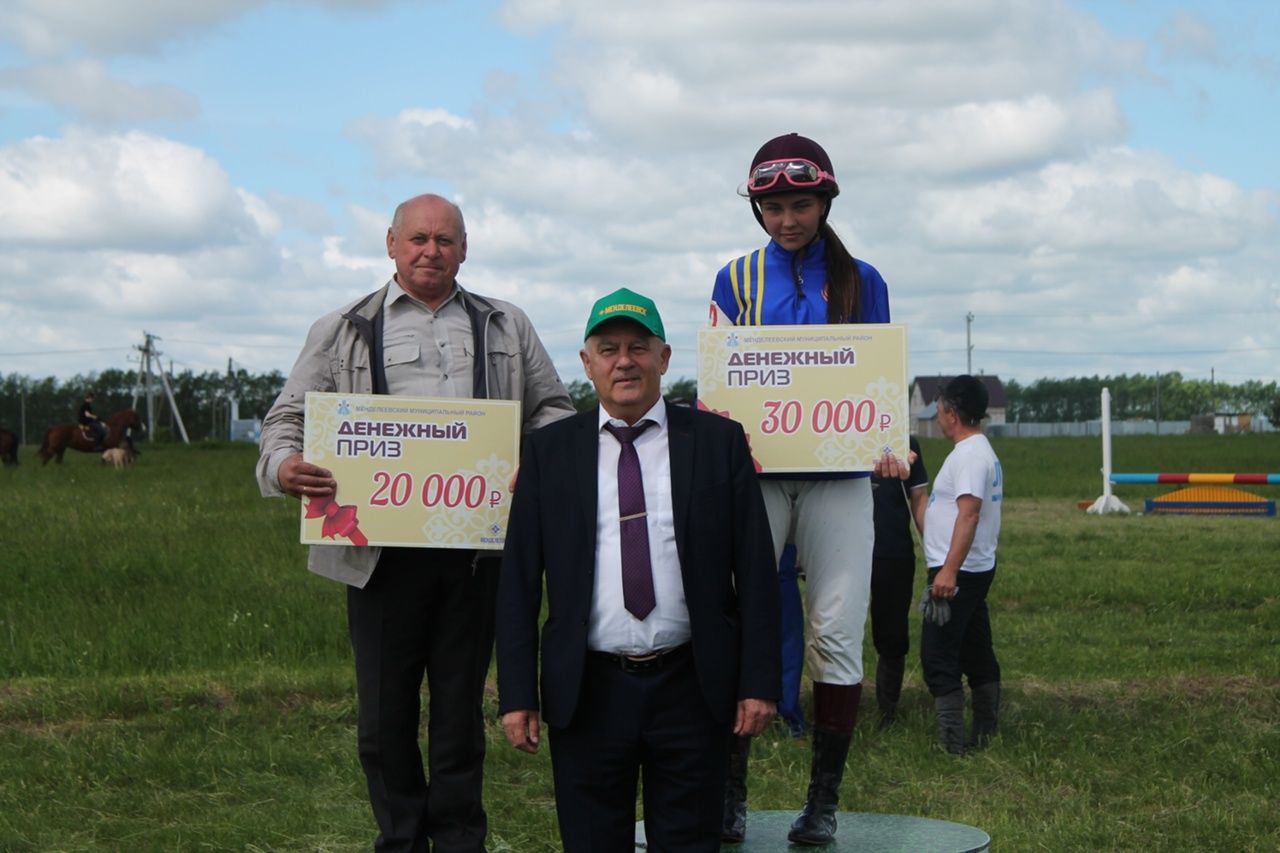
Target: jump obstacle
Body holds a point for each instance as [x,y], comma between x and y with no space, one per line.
[1207,494]
[1201,479]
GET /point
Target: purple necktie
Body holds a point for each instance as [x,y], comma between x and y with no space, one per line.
[637,573]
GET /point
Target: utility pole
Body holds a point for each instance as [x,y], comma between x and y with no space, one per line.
[173,404]
[145,369]
[149,351]
[968,342]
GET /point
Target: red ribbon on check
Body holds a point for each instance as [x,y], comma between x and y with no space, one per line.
[338,520]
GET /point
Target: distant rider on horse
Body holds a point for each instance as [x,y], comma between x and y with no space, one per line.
[94,429]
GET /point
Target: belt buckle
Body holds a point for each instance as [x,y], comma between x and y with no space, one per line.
[640,663]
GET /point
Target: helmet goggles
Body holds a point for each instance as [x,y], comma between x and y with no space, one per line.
[796,172]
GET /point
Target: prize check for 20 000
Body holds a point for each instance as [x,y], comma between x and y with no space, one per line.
[811,398]
[412,471]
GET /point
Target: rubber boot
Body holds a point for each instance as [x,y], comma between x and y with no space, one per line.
[950,711]
[889,671]
[986,715]
[733,820]
[835,710]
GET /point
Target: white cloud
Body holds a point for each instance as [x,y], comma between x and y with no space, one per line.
[982,149]
[129,190]
[59,27]
[1208,287]
[368,229]
[720,68]
[263,215]
[105,235]
[295,211]
[998,136]
[939,89]
[416,140]
[1115,201]
[55,27]
[1189,36]
[336,257]
[86,89]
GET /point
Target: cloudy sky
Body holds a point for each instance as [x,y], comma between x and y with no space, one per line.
[1095,182]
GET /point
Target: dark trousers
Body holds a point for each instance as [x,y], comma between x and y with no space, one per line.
[891,599]
[656,725]
[792,625]
[97,431]
[424,611]
[963,645]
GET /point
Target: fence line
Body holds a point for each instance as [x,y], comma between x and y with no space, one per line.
[1086,429]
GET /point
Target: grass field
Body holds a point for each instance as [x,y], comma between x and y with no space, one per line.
[174,679]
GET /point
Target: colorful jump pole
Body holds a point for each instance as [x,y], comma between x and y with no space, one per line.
[1108,503]
[1198,479]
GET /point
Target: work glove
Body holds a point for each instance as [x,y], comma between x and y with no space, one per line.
[935,610]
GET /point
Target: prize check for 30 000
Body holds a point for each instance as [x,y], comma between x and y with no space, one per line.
[811,398]
[412,471]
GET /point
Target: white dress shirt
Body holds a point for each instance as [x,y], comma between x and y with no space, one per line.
[613,628]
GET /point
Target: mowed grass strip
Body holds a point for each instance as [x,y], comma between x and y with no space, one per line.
[173,678]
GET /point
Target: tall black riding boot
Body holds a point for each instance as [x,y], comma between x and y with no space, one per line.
[733,820]
[889,671]
[950,711]
[986,714]
[835,712]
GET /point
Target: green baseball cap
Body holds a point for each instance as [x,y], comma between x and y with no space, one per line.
[624,304]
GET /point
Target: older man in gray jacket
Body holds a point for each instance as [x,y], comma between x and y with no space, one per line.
[423,611]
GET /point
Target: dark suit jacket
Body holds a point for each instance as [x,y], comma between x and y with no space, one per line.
[726,557]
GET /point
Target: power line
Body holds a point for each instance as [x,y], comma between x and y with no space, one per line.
[229,344]
[63,351]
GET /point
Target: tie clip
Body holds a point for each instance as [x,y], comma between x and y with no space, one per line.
[633,515]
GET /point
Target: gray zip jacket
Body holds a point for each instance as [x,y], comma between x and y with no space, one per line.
[343,354]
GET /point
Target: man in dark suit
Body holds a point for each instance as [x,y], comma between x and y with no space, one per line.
[662,616]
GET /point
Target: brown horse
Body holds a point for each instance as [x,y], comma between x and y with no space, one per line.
[58,438]
[8,447]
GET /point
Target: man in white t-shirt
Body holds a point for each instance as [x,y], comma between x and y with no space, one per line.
[961,530]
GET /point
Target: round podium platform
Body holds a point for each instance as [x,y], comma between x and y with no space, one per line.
[866,833]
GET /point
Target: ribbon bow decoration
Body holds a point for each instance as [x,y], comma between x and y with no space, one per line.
[339,520]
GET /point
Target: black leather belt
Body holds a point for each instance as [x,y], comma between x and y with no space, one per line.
[643,663]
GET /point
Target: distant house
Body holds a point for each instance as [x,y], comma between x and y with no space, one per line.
[924,396]
[1224,423]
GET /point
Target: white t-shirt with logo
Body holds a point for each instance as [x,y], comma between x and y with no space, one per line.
[971,469]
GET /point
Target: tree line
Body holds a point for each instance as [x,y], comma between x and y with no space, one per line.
[1166,396]
[204,399]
